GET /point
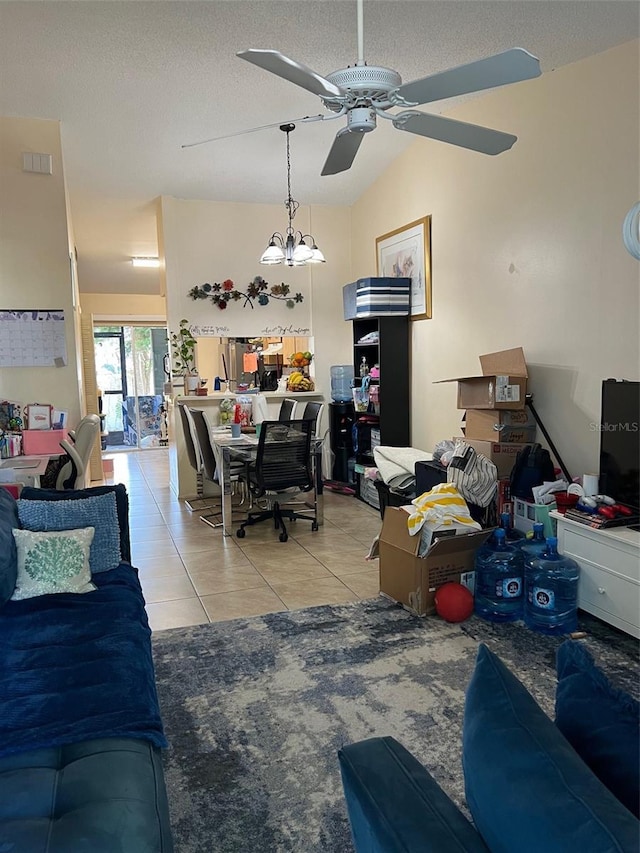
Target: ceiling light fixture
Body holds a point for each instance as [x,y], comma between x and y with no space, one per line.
[291,248]
[145,262]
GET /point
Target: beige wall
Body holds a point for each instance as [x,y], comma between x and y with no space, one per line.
[209,241]
[124,306]
[34,258]
[527,247]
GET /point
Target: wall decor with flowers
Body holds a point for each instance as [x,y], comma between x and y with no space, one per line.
[257,290]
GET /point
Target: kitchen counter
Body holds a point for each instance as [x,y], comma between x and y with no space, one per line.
[216,396]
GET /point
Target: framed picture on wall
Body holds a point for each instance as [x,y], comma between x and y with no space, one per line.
[407,252]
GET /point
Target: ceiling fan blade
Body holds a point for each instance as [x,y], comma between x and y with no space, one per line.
[283,66]
[343,152]
[472,136]
[508,67]
[302,120]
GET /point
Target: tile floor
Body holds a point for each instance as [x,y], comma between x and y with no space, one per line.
[191,574]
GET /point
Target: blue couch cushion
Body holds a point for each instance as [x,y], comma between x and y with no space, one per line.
[394,804]
[527,788]
[601,722]
[98,512]
[99,796]
[122,506]
[8,553]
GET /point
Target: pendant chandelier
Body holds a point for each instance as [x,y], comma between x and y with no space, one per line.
[291,248]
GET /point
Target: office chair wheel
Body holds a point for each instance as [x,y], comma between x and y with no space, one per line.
[283,537]
[314,526]
[241,533]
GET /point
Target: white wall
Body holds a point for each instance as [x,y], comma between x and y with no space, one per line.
[34,258]
[526,247]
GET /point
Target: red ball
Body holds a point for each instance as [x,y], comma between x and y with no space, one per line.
[454,602]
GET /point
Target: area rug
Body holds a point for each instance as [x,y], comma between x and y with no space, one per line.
[256,709]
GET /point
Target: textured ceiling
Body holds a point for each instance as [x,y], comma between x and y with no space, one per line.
[132,81]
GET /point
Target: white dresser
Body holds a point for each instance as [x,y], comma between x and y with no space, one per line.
[609,585]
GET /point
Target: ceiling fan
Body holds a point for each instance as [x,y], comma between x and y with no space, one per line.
[364,92]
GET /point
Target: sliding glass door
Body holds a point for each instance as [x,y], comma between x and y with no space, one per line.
[130,371]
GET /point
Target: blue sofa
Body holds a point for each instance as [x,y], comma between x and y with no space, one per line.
[531,785]
[80,732]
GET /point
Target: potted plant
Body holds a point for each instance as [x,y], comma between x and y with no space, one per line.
[183,347]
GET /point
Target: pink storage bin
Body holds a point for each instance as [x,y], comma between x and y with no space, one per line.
[43,442]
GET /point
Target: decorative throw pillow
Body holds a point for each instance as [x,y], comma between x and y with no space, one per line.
[8,554]
[526,787]
[98,512]
[601,722]
[122,505]
[53,562]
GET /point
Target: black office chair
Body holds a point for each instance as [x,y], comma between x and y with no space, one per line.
[283,466]
[287,410]
[209,466]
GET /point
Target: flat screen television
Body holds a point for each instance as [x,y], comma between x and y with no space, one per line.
[620,442]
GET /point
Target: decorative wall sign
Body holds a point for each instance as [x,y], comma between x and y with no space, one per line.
[256,291]
[407,252]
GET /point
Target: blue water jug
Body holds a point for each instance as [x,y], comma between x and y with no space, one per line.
[512,535]
[551,592]
[499,580]
[341,382]
[536,546]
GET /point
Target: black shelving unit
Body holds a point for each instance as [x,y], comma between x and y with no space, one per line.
[391,353]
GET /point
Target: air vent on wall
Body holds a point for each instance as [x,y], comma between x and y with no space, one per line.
[40,163]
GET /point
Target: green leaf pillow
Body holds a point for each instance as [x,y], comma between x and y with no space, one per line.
[52,562]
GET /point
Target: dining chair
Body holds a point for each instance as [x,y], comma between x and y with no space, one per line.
[73,469]
[287,410]
[209,464]
[283,468]
[313,412]
[193,455]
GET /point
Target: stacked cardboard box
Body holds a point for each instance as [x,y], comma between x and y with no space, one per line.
[497,422]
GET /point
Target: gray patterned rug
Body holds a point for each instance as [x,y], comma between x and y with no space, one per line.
[256,709]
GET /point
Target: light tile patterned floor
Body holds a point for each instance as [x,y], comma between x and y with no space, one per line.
[191,574]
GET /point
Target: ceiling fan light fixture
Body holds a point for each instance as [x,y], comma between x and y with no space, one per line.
[292,249]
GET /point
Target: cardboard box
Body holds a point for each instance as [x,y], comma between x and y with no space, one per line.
[43,442]
[503,455]
[505,425]
[376,297]
[411,580]
[503,384]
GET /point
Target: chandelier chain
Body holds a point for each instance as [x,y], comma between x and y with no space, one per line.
[290,203]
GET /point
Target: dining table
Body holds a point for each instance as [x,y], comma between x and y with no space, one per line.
[245,448]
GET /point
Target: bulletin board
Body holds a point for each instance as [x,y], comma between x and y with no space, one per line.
[34,338]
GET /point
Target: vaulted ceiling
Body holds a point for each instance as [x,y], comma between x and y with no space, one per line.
[132,81]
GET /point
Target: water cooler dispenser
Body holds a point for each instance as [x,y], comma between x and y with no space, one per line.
[341,417]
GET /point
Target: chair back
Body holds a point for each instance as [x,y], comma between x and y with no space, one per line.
[188,429]
[287,410]
[204,443]
[72,473]
[313,412]
[284,456]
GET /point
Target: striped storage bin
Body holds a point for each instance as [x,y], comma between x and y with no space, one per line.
[376,297]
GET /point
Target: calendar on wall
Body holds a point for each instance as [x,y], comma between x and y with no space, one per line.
[32,338]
